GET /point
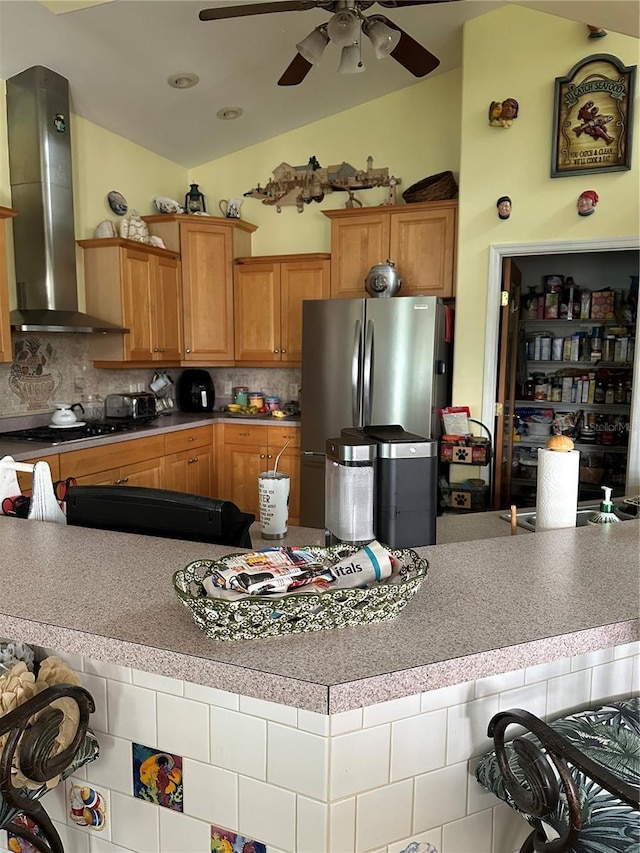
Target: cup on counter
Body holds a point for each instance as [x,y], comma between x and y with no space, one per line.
[273,492]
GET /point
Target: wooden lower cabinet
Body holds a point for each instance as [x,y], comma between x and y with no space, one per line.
[54,464]
[138,462]
[249,449]
[189,461]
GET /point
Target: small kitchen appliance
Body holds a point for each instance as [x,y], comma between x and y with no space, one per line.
[196,392]
[349,490]
[137,406]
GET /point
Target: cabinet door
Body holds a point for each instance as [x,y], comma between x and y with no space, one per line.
[207,289]
[257,312]
[5,333]
[149,473]
[299,280]
[138,276]
[190,471]
[242,465]
[166,307]
[100,478]
[357,243]
[422,246]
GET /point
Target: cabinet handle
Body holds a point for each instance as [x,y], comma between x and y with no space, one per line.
[283,350]
[122,480]
[243,433]
[192,438]
[161,349]
[263,456]
[187,350]
[276,350]
[193,459]
[269,456]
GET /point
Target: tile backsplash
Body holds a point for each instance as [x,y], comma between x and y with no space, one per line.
[57,367]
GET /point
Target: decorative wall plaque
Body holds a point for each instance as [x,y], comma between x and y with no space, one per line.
[593,117]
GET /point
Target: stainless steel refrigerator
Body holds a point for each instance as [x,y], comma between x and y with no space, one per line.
[367,361]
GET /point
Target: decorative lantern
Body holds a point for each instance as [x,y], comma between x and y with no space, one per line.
[194,200]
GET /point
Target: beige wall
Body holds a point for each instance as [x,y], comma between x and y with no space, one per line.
[516,52]
[414,132]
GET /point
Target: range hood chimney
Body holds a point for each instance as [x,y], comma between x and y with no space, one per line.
[42,193]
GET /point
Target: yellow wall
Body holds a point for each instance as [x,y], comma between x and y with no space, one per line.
[516,52]
[414,132]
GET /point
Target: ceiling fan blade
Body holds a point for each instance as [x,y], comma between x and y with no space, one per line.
[398,4]
[411,54]
[296,71]
[258,9]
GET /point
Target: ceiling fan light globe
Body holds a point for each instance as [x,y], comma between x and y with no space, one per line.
[383,38]
[351,59]
[312,47]
[344,28]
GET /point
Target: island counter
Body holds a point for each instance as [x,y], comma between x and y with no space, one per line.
[342,741]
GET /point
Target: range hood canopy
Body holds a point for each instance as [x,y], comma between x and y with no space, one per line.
[38,122]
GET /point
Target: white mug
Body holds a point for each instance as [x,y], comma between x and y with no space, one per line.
[159,382]
[231,208]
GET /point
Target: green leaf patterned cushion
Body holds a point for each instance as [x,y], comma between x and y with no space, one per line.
[88,751]
[610,735]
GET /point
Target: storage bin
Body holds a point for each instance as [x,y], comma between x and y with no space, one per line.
[465,497]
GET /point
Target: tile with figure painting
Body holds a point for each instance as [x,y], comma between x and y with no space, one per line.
[226,841]
[157,777]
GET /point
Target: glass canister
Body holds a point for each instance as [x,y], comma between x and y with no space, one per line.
[272,403]
[241,395]
[256,398]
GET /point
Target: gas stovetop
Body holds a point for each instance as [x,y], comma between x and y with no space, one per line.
[92,429]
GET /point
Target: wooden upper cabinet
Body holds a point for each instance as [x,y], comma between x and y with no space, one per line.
[207,248]
[5,330]
[419,238]
[136,286]
[268,295]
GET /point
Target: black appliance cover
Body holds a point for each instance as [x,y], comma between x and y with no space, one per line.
[159,512]
[195,391]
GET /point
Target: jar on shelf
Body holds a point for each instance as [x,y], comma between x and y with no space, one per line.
[530,304]
[608,347]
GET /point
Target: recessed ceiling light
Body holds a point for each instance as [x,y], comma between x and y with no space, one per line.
[183,80]
[229,113]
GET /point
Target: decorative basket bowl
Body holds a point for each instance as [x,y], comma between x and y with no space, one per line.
[253,617]
[434,188]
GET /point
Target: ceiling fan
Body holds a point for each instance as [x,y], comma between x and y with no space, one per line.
[345,30]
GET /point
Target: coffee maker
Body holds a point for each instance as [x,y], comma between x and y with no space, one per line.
[399,493]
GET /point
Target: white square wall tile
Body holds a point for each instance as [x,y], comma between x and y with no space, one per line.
[478,798]
[509,829]
[297,760]
[387,712]
[161,683]
[455,694]
[267,813]
[310,721]
[134,824]
[467,729]
[347,721]
[532,698]
[108,670]
[498,683]
[433,837]
[589,659]
[76,662]
[342,826]
[99,845]
[542,671]
[114,768]
[635,677]
[627,650]
[384,815]
[359,762]
[239,742]
[471,834]
[313,826]
[210,793]
[98,688]
[182,834]
[612,680]
[269,710]
[211,696]
[440,797]
[183,726]
[56,804]
[72,839]
[568,692]
[132,712]
[418,744]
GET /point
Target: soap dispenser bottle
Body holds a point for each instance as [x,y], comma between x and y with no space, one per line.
[606,515]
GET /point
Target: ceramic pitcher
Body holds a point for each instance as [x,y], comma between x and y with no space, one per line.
[230,208]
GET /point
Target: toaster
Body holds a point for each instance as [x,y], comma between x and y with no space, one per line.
[140,405]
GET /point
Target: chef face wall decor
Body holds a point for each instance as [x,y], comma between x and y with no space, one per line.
[503,113]
[587,202]
[593,117]
[504,207]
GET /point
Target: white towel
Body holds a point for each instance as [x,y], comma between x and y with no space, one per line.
[44,504]
[9,485]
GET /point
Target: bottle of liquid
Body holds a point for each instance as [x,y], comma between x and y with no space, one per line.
[610,393]
[620,394]
[600,392]
[606,514]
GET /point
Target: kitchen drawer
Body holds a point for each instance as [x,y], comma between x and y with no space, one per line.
[278,436]
[245,434]
[185,439]
[77,463]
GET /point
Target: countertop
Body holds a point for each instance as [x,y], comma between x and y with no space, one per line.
[164,424]
[487,606]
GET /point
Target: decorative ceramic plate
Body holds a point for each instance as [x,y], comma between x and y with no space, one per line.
[117,203]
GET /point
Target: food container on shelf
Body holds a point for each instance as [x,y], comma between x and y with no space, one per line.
[529,467]
[538,429]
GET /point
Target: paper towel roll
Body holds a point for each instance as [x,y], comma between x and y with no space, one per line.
[557,489]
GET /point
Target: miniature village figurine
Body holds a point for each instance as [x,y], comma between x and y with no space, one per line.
[596,32]
[502,113]
[504,207]
[587,202]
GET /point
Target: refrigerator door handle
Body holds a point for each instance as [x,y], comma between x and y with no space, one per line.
[367,370]
[356,376]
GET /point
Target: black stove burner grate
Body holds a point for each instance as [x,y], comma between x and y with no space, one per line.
[92,429]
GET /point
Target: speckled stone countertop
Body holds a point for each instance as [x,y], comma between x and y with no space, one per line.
[487,606]
[165,423]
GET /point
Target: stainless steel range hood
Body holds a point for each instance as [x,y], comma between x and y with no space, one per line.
[42,193]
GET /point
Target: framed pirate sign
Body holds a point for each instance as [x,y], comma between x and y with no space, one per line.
[593,117]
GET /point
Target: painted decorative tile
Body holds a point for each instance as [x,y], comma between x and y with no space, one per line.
[87,807]
[30,377]
[157,777]
[225,841]
[19,845]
